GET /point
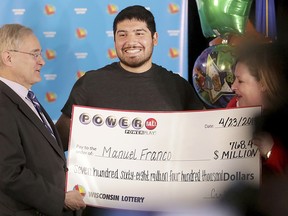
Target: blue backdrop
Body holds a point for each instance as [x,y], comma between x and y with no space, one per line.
[77,36]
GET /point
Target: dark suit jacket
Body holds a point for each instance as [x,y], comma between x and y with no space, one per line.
[32,162]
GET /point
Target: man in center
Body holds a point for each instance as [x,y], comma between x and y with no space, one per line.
[133,83]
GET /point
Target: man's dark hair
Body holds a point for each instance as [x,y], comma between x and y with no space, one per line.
[136,12]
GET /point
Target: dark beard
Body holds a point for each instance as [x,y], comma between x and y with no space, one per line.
[134,64]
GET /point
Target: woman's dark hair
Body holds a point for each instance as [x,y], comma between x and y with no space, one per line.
[268,64]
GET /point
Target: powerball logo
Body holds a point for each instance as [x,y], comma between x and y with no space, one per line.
[136,125]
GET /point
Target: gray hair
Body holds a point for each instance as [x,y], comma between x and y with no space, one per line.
[11,36]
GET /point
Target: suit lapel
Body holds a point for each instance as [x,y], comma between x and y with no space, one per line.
[26,110]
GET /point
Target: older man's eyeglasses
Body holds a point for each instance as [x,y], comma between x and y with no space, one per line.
[35,55]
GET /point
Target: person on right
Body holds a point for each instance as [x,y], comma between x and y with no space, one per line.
[260,80]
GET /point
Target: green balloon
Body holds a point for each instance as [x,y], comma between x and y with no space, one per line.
[223,17]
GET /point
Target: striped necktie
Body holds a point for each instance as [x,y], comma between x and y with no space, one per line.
[36,104]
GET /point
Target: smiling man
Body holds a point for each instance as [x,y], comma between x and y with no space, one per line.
[133,83]
[32,162]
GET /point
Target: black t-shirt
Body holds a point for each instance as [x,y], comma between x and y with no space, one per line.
[113,87]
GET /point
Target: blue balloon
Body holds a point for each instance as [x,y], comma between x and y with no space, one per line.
[213,75]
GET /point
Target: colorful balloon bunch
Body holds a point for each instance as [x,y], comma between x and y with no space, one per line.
[213,73]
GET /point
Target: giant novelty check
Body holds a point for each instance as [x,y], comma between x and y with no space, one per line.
[152,160]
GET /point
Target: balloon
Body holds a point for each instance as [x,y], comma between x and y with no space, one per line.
[213,76]
[222,17]
[235,40]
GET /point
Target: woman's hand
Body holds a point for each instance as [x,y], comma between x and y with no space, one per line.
[264,142]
